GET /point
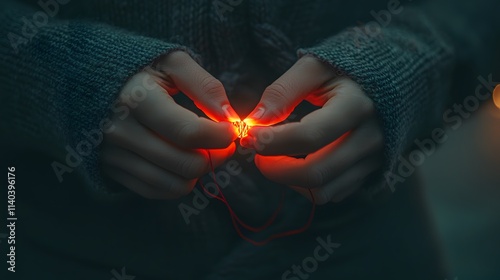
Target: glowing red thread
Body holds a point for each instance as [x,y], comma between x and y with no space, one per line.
[242,128]
[235,219]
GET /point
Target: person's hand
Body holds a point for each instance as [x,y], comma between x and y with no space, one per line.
[156,147]
[342,140]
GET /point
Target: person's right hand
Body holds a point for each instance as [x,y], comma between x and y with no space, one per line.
[157,148]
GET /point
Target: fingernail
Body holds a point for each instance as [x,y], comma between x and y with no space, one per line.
[230,113]
[247,142]
[258,114]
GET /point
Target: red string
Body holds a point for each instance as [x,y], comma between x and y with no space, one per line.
[237,222]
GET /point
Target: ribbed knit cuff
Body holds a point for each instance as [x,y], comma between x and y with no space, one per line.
[404,68]
[62,85]
[116,57]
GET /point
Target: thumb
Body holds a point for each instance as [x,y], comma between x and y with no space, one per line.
[207,92]
[281,97]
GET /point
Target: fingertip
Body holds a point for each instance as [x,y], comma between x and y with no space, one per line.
[223,152]
[257,113]
[230,113]
[265,115]
[219,111]
[248,142]
[231,131]
[260,138]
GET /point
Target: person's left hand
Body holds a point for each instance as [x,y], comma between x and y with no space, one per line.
[342,140]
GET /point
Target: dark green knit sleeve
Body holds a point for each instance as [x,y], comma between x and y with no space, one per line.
[406,67]
[59,82]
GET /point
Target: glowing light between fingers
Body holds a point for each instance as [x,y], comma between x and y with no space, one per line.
[496,96]
[241,128]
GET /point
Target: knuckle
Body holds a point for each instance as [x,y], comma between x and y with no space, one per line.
[116,135]
[189,133]
[277,92]
[311,138]
[176,58]
[120,129]
[315,177]
[211,86]
[157,180]
[135,80]
[321,197]
[277,115]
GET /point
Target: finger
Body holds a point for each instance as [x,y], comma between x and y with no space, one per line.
[318,168]
[340,114]
[159,112]
[189,164]
[345,184]
[167,183]
[207,92]
[281,97]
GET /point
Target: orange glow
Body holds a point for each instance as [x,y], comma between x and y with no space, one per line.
[233,120]
[496,96]
[241,128]
[249,122]
[252,123]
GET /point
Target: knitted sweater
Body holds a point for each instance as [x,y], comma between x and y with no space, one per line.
[63,65]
